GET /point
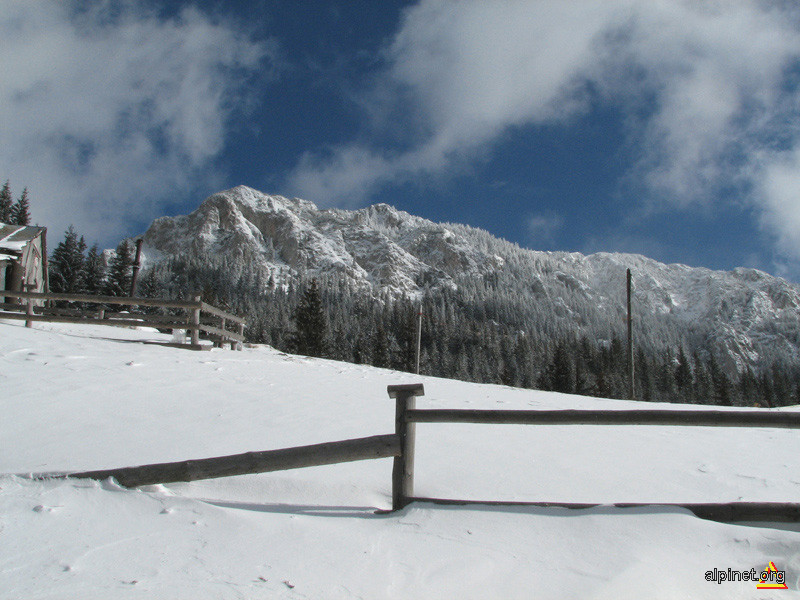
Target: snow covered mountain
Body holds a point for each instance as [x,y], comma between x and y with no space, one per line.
[746,317]
[379,246]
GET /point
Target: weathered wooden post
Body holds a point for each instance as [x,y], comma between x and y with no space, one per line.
[419,338]
[137,264]
[195,320]
[241,333]
[219,343]
[29,287]
[403,469]
[631,385]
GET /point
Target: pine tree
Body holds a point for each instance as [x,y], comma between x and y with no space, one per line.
[684,380]
[310,324]
[405,328]
[120,273]
[5,203]
[703,385]
[559,376]
[563,370]
[20,211]
[380,348]
[66,266]
[94,272]
[720,384]
[749,390]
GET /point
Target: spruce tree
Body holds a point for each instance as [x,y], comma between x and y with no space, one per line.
[120,271]
[5,203]
[380,348]
[559,376]
[720,384]
[703,385]
[563,370]
[310,324]
[21,211]
[66,266]
[684,380]
[94,272]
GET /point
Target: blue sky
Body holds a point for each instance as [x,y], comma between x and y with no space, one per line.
[662,127]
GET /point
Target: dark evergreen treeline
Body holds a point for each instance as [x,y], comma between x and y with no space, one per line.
[74,270]
[465,335]
[11,212]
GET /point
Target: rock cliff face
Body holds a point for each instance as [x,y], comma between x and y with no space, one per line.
[751,317]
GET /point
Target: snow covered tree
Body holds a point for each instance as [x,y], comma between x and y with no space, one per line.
[684,379]
[5,203]
[380,348]
[66,266]
[120,272]
[720,384]
[559,375]
[21,211]
[94,272]
[310,323]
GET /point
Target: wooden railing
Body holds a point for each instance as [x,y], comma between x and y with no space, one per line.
[197,316]
[377,446]
[400,445]
[407,415]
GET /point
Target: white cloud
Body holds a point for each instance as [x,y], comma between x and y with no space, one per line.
[707,85]
[542,229]
[780,191]
[108,110]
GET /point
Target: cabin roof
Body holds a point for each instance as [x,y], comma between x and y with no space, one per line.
[13,238]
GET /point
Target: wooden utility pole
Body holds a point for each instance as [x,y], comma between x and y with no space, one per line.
[137,264]
[419,338]
[631,388]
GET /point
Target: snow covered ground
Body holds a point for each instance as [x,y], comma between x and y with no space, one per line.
[89,397]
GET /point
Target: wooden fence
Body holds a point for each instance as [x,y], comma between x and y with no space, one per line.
[407,415]
[196,316]
[377,446]
[400,445]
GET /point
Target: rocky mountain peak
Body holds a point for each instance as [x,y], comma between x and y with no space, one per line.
[380,250]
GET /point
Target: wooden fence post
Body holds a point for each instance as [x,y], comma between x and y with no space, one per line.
[195,320]
[241,333]
[403,468]
[221,341]
[29,287]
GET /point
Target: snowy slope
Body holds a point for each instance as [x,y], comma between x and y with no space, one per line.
[745,316]
[80,397]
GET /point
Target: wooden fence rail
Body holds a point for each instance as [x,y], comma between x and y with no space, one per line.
[407,415]
[400,445]
[688,418]
[215,324]
[378,446]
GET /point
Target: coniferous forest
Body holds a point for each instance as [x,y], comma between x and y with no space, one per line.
[467,334]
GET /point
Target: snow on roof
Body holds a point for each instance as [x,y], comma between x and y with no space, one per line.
[15,237]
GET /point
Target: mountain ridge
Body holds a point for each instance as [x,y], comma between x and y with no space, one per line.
[748,317]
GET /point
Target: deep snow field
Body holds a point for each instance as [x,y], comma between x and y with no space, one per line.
[89,397]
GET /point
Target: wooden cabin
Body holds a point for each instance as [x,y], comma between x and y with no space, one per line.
[23,259]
